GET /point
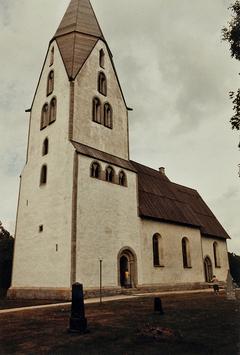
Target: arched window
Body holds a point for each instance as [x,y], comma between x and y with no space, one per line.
[216,254]
[44,116]
[45,147]
[53,110]
[43,177]
[95,170]
[51,56]
[186,253]
[107,116]
[102,84]
[50,83]
[96,110]
[208,269]
[109,174]
[101,58]
[157,250]
[122,179]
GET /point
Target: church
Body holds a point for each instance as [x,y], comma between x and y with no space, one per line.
[83,203]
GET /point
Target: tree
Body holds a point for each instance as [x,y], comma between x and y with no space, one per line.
[232,35]
[234,264]
[6,257]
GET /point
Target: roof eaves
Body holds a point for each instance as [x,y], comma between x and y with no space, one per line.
[103,156]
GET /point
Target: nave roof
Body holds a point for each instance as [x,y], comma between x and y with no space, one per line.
[161,199]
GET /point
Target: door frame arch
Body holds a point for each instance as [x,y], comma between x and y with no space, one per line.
[208,268]
[131,257]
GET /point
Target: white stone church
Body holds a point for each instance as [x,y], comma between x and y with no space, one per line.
[83,200]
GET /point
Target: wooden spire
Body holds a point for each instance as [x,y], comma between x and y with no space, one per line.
[77,34]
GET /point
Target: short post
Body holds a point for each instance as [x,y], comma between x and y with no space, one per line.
[100,260]
[158,306]
[78,322]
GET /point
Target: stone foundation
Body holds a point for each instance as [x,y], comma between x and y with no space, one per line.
[58,294]
[172,287]
[65,294]
[39,293]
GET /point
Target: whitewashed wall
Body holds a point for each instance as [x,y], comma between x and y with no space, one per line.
[113,141]
[36,261]
[106,222]
[220,272]
[173,270]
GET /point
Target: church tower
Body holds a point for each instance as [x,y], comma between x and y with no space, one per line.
[78,114]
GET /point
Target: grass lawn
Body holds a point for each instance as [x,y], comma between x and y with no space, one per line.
[195,323]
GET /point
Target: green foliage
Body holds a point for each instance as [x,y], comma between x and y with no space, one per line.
[6,257]
[234,264]
[235,120]
[232,35]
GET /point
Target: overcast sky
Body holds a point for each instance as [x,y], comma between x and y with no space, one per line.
[175,73]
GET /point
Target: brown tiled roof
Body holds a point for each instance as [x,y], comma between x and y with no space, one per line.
[100,155]
[161,199]
[77,34]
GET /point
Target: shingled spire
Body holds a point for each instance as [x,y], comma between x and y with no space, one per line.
[77,34]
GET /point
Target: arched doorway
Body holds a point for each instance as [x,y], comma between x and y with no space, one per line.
[127,259]
[123,267]
[208,269]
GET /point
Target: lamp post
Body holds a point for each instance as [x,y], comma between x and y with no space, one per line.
[100,260]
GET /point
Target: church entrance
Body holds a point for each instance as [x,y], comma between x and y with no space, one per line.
[127,259]
[123,267]
[208,269]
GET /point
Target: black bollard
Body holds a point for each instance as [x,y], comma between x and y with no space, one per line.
[158,306]
[78,322]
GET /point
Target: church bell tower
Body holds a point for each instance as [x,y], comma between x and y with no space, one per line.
[78,108]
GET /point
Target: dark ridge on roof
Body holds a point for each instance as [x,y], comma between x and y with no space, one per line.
[161,199]
[100,155]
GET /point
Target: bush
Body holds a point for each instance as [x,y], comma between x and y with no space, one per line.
[234,264]
[6,257]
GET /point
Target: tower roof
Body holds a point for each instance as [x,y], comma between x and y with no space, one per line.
[81,18]
[77,34]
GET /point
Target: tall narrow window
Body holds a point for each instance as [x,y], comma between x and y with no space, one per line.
[122,179]
[102,84]
[45,147]
[43,177]
[50,83]
[216,254]
[96,110]
[44,116]
[109,174]
[107,116]
[95,170]
[101,58]
[51,56]
[53,110]
[157,250]
[186,253]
